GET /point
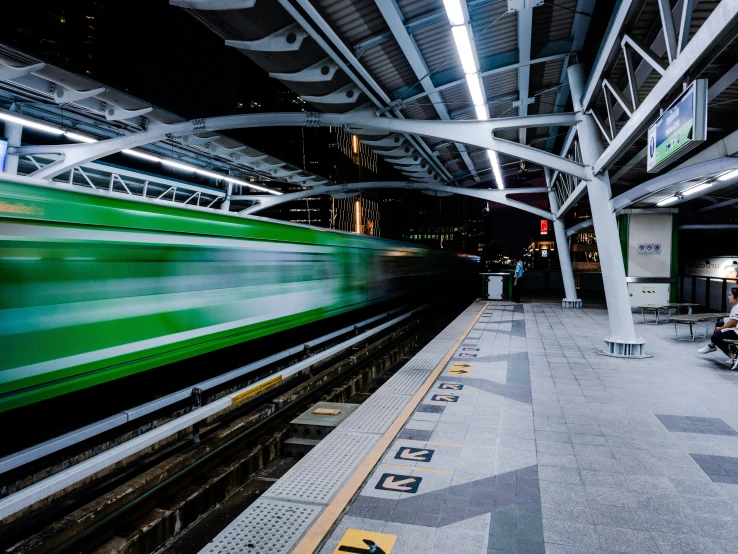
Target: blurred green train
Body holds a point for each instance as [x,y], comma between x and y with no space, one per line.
[95,287]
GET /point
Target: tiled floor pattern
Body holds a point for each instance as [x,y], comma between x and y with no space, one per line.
[701,425]
[479,491]
[612,475]
[720,469]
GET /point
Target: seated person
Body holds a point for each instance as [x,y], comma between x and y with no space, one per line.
[726,331]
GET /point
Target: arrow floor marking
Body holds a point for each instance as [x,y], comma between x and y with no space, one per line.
[399,483]
[444,398]
[372,548]
[414,454]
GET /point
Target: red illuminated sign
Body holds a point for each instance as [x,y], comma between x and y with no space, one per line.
[544,226]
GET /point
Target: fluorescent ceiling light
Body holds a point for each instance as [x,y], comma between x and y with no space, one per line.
[210,174]
[496,168]
[475,89]
[481,112]
[695,189]
[31,124]
[141,155]
[463,46]
[728,175]
[666,201]
[252,185]
[81,138]
[177,165]
[454,12]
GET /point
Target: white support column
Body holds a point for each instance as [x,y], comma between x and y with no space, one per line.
[13,134]
[622,340]
[562,245]
[226,205]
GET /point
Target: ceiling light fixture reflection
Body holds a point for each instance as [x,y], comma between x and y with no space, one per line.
[177,165]
[475,89]
[496,170]
[667,201]
[463,46]
[454,12]
[696,189]
[31,124]
[80,138]
[728,175]
[137,154]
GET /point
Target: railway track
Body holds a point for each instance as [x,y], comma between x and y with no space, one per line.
[149,500]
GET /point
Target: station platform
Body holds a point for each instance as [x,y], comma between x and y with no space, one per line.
[510,433]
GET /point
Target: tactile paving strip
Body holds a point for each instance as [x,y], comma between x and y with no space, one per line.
[320,474]
[376,414]
[405,382]
[297,499]
[427,361]
[265,527]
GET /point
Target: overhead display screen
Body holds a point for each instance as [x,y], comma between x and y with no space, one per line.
[680,128]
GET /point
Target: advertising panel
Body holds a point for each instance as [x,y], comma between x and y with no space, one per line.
[680,128]
[719,268]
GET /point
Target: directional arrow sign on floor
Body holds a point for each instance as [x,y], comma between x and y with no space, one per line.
[414,454]
[467,349]
[450,386]
[464,355]
[445,398]
[400,483]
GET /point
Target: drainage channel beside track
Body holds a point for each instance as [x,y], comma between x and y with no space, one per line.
[150,500]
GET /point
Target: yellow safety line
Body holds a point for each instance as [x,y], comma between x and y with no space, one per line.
[312,539]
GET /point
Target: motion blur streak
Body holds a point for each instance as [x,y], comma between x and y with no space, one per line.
[94,288]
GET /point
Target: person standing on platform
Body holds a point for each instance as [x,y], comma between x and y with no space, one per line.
[518,282]
[724,331]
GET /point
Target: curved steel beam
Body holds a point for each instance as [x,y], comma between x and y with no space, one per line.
[477,133]
[679,175]
[499,196]
[473,132]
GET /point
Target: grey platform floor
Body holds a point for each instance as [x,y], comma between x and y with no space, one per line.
[547,446]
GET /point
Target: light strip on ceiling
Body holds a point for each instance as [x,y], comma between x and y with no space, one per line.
[4,116]
[667,201]
[79,138]
[460,31]
[32,124]
[696,189]
[728,175]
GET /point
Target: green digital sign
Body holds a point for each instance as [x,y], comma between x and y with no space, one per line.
[680,128]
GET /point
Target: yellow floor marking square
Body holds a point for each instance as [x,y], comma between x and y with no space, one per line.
[357,541]
[460,368]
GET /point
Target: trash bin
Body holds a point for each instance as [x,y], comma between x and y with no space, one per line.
[496,286]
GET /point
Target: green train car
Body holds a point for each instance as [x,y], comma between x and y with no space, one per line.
[95,287]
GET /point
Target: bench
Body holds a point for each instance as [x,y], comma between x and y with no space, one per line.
[694,319]
[657,308]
